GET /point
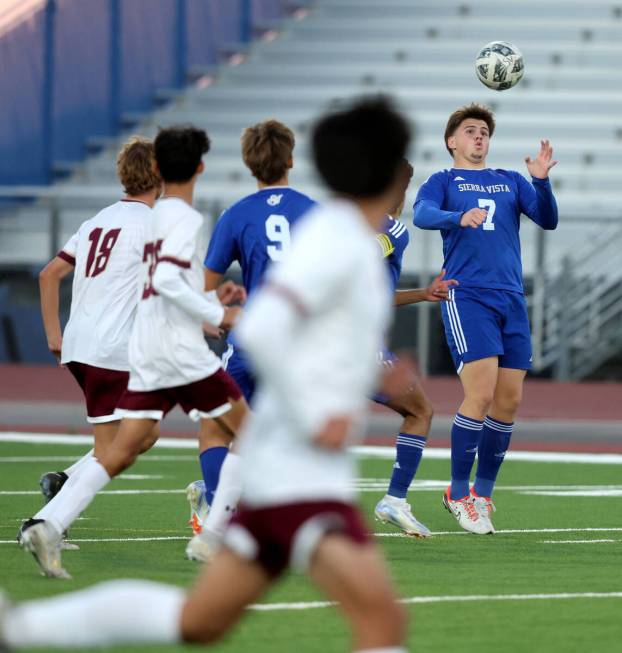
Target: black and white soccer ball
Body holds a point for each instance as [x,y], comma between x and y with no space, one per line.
[499,65]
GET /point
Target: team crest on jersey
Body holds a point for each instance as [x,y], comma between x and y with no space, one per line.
[274,200]
[459,179]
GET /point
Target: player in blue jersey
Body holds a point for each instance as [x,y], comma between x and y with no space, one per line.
[252,232]
[414,406]
[478,209]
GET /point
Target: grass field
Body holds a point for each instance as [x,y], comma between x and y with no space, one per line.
[559,533]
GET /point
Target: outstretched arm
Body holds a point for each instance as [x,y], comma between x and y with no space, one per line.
[437,291]
[49,285]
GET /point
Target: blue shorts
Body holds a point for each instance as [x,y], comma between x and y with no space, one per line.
[481,322]
[238,369]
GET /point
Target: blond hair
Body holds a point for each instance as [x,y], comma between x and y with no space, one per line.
[136,166]
[267,150]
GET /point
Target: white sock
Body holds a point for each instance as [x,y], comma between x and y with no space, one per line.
[78,464]
[115,612]
[226,496]
[79,490]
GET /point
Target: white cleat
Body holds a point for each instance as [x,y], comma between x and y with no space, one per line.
[397,512]
[195,493]
[485,507]
[466,514]
[202,547]
[44,542]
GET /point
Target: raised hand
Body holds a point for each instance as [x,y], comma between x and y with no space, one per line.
[540,166]
[438,290]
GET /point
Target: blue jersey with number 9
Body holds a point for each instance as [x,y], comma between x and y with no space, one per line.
[488,256]
[256,231]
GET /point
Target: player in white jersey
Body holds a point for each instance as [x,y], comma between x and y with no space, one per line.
[105,256]
[312,333]
[170,362]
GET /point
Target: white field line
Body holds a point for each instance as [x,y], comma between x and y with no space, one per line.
[393,535]
[360,486]
[576,541]
[310,605]
[387,453]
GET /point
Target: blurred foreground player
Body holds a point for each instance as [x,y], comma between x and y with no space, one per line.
[170,362]
[253,232]
[105,256]
[478,209]
[312,333]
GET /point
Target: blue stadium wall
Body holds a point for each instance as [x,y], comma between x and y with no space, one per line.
[73,67]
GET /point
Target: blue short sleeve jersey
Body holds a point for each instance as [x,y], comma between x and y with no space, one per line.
[489,256]
[393,240]
[256,231]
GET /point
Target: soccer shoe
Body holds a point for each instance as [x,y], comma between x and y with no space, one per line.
[392,510]
[466,514]
[51,483]
[485,507]
[204,546]
[42,540]
[195,493]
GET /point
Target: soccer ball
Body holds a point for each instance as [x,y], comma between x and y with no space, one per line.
[499,65]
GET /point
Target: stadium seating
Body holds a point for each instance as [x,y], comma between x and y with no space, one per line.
[423,54]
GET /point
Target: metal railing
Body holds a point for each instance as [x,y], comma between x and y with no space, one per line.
[577,311]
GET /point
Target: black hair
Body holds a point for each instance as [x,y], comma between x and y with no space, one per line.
[358,150]
[178,152]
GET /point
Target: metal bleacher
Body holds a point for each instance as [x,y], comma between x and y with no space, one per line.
[421,53]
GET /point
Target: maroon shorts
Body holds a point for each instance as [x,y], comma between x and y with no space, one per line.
[279,536]
[102,389]
[208,398]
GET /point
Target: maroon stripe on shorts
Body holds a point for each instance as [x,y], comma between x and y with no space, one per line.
[174,261]
[67,257]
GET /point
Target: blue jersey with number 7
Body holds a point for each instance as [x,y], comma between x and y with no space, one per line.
[255,232]
[488,256]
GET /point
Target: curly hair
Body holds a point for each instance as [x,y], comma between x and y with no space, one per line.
[136,166]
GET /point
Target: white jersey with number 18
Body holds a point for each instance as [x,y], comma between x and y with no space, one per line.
[107,253]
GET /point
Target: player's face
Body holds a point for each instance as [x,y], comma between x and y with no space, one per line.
[470,141]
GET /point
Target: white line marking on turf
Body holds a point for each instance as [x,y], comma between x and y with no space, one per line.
[501,532]
[72,459]
[387,453]
[576,541]
[31,492]
[574,493]
[310,605]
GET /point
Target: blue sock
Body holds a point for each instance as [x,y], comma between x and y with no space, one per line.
[493,443]
[211,461]
[465,434]
[409,449]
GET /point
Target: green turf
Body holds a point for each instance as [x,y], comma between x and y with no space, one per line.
[450,564]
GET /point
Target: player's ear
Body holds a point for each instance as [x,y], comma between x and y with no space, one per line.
[451,142]
[290,163]
[200,168]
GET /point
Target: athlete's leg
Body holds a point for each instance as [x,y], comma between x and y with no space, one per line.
[497,431]
[478,379]
[416,410]
[42,534]
[355,576]
[218,599]
[229,485]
